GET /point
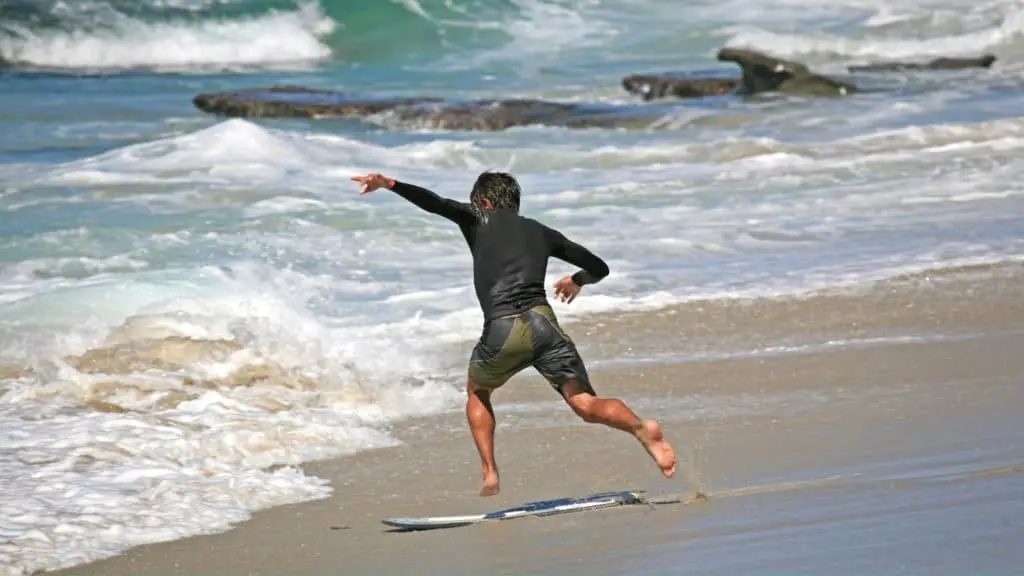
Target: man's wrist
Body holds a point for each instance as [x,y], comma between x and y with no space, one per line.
[389,183]
[580,278]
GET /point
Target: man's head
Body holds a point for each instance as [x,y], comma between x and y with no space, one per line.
[494,191]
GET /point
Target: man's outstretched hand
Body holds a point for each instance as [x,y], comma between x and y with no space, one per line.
[566,290]
[373,181]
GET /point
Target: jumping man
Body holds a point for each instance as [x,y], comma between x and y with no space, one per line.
[510,257]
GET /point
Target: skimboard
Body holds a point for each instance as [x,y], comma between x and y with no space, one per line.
[539,508]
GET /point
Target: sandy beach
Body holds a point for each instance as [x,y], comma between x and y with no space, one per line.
[900,452]
[218,357]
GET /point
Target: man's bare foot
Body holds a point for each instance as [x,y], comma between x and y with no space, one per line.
[651,437]
[490,487]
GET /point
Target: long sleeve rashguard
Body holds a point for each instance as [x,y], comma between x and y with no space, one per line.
[510,252]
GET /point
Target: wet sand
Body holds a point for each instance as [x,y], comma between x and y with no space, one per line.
[902,454]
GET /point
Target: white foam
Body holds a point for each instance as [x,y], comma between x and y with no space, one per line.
[278,37]
[953,29]
[282,205]
[238,151]
[571,184]
[75,487]
[195,459]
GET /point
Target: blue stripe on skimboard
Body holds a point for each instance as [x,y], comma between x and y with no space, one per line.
[538,508]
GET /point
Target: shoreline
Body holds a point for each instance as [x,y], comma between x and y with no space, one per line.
[764,428]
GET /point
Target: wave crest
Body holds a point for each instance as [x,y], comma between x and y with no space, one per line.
[105,36]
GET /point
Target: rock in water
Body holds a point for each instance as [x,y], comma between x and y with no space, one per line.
[983,61]
[760,73]
[764,73]
[492,115]
[296,102]
[651,87]
[425,112]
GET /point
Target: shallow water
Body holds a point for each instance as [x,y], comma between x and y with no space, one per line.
[132,221]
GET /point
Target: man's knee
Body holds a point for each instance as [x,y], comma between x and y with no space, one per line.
[474,389]
[581,399]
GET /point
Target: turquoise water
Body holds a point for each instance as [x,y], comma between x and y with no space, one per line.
[128,218]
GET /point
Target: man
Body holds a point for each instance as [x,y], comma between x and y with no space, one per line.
[510,257]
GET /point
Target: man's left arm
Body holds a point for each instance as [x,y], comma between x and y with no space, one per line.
[592,268]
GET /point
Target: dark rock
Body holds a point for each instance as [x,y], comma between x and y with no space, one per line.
[426,112]
[983,61]
[760,73]
[490,115]
[651,87]
[296,102]
[764,73]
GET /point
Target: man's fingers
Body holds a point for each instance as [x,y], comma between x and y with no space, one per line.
[566,290]
[566,293]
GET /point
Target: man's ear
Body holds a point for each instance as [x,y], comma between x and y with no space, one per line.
[487,204]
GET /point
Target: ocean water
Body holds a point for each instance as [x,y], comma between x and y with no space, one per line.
[191,306]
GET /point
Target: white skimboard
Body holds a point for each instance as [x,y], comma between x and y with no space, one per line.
[539,508]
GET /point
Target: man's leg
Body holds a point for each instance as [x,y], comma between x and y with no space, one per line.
[561,364]
[503,350]
[480,415]
[614,413]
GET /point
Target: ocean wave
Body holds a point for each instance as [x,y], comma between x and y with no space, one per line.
[225,308]
[898,31]
[195,35]
[191,399]
[100,35]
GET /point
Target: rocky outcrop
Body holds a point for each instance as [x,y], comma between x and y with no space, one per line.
[983,61]
[491,115]
[427,112]
[764,73]
[296,102]
[651,87]
[759,73]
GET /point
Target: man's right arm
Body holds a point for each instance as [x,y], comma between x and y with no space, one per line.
[593,268]
[431,202]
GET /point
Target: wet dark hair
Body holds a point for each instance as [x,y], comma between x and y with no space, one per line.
[500,188]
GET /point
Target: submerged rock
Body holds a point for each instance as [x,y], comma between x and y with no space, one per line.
[425,112]
[983,61]
[652,87]
[492,115]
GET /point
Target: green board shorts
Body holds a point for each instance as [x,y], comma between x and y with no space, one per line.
[531,338]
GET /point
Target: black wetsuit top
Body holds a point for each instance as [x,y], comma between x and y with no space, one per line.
[510,252]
